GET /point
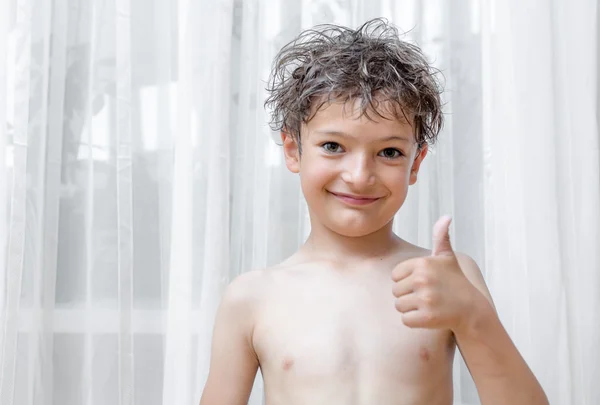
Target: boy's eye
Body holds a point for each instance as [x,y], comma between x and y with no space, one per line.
[331,147]
[390,153]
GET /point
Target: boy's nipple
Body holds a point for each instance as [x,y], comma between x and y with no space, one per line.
[287,363]
[424,353]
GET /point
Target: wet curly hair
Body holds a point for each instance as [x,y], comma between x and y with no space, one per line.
[330,63]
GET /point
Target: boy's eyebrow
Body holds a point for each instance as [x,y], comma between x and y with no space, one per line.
[343,134]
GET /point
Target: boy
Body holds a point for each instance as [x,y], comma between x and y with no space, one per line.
[358,315]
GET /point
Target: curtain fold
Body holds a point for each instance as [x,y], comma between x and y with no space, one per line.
[124,163]
[139,176]
[19,86]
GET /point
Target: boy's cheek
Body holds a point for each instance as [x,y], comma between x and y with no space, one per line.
[317,174]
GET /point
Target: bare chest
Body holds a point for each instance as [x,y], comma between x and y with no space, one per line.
[345,337]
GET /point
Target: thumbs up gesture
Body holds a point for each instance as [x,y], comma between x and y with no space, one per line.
[432,291]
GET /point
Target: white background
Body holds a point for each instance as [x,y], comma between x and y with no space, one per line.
[138,177]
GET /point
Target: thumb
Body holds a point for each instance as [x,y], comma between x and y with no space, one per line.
[441,237]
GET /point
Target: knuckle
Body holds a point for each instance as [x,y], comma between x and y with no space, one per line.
[422,280]
[428,297]
[409,321]
[430,317]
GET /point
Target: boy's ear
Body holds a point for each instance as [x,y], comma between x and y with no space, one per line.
[421,153]
[291,152]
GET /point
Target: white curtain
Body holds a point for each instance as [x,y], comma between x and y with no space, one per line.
[138,177]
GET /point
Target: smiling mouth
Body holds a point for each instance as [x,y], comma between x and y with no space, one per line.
[355,200]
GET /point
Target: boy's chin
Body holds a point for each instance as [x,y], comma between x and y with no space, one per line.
[355,231]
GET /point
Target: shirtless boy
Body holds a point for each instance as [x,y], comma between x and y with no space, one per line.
[359,316]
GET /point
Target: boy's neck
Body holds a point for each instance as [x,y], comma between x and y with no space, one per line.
[325,244]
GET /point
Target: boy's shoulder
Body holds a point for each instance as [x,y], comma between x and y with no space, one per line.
[246,285]
[249,286]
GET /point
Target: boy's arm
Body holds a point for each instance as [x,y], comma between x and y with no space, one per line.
[233,362]
[500,373]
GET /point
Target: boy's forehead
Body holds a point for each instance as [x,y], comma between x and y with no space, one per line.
[350,113]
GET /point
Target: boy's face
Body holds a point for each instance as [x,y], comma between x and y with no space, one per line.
[354,172]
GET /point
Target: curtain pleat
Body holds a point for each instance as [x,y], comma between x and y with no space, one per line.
[38,194]
[124,163]
[5,174]
[43,386]
[176,378]
[20,51]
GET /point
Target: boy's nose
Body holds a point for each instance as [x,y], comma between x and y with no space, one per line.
[359,172]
